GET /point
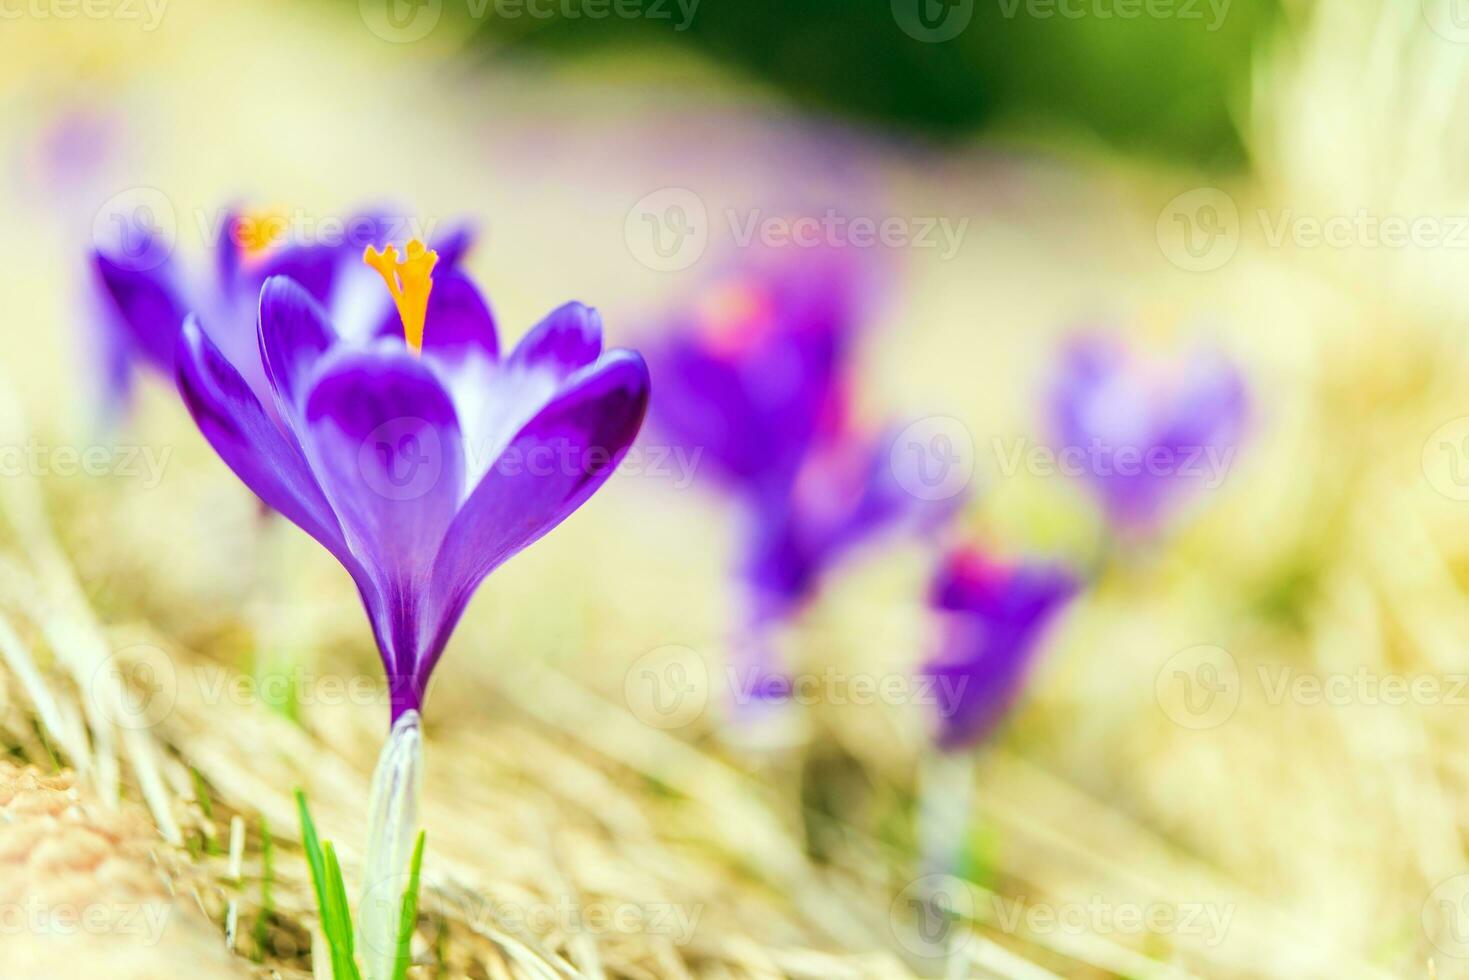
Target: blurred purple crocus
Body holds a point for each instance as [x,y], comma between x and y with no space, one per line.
[420,456]
[144,292]
[1142,431]
[994,616]
[753,383]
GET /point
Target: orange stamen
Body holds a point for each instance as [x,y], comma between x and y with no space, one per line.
[409,282]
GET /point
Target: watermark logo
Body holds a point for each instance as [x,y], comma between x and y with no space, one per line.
[667,687]
[667,230]
[136,687]
[931,916]
[136,228]
[402,458]
[1449,19]
[401,21]
[1445,459]
[1199,230]
[1445,917]
[933,459]
[932,21]
[382,906]
[1199,687]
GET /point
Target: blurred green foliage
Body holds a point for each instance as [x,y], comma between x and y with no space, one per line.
[1162,78]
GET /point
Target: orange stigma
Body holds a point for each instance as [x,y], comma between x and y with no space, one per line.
[256,231]
[409,282]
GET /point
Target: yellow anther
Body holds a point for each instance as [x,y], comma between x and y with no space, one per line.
[256,231]
[409,282]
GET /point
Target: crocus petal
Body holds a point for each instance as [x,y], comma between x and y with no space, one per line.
[497,400]
[753,416]
[293,336]
[703,405]
[383,440]
[313,267]
[779,566]
[973,696]
[454,244]
[111,352]
[883,503]
[846,497]
[1210,407]
[226,251]
[994,619]
[568,339]
[550,468]
[1168,420]
[148,305]
[248,440]
[459,322]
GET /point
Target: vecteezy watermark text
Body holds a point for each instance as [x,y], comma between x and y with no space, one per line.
[33,916]
[149,13]
[670,687]
[34,458]
[406,458]
[562,914]
[1209,464]
[670,229]
[932,916]
[1099,917]
[835,229]
[140,227]
[300,227]
[1214,11]
[1200,230]
[1200,687]
[405,21]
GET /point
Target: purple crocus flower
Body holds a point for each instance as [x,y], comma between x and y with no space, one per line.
[419,456]
[754,364]
[753,383]
[71,152]
[1141,431]
[994,616]
[144,292]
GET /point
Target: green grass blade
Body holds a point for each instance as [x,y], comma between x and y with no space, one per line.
[331,896]
[313,851]
[341,912]
[408,917]
[201,793]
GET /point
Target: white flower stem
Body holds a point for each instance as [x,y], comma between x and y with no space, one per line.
[392,828]
[945,809]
